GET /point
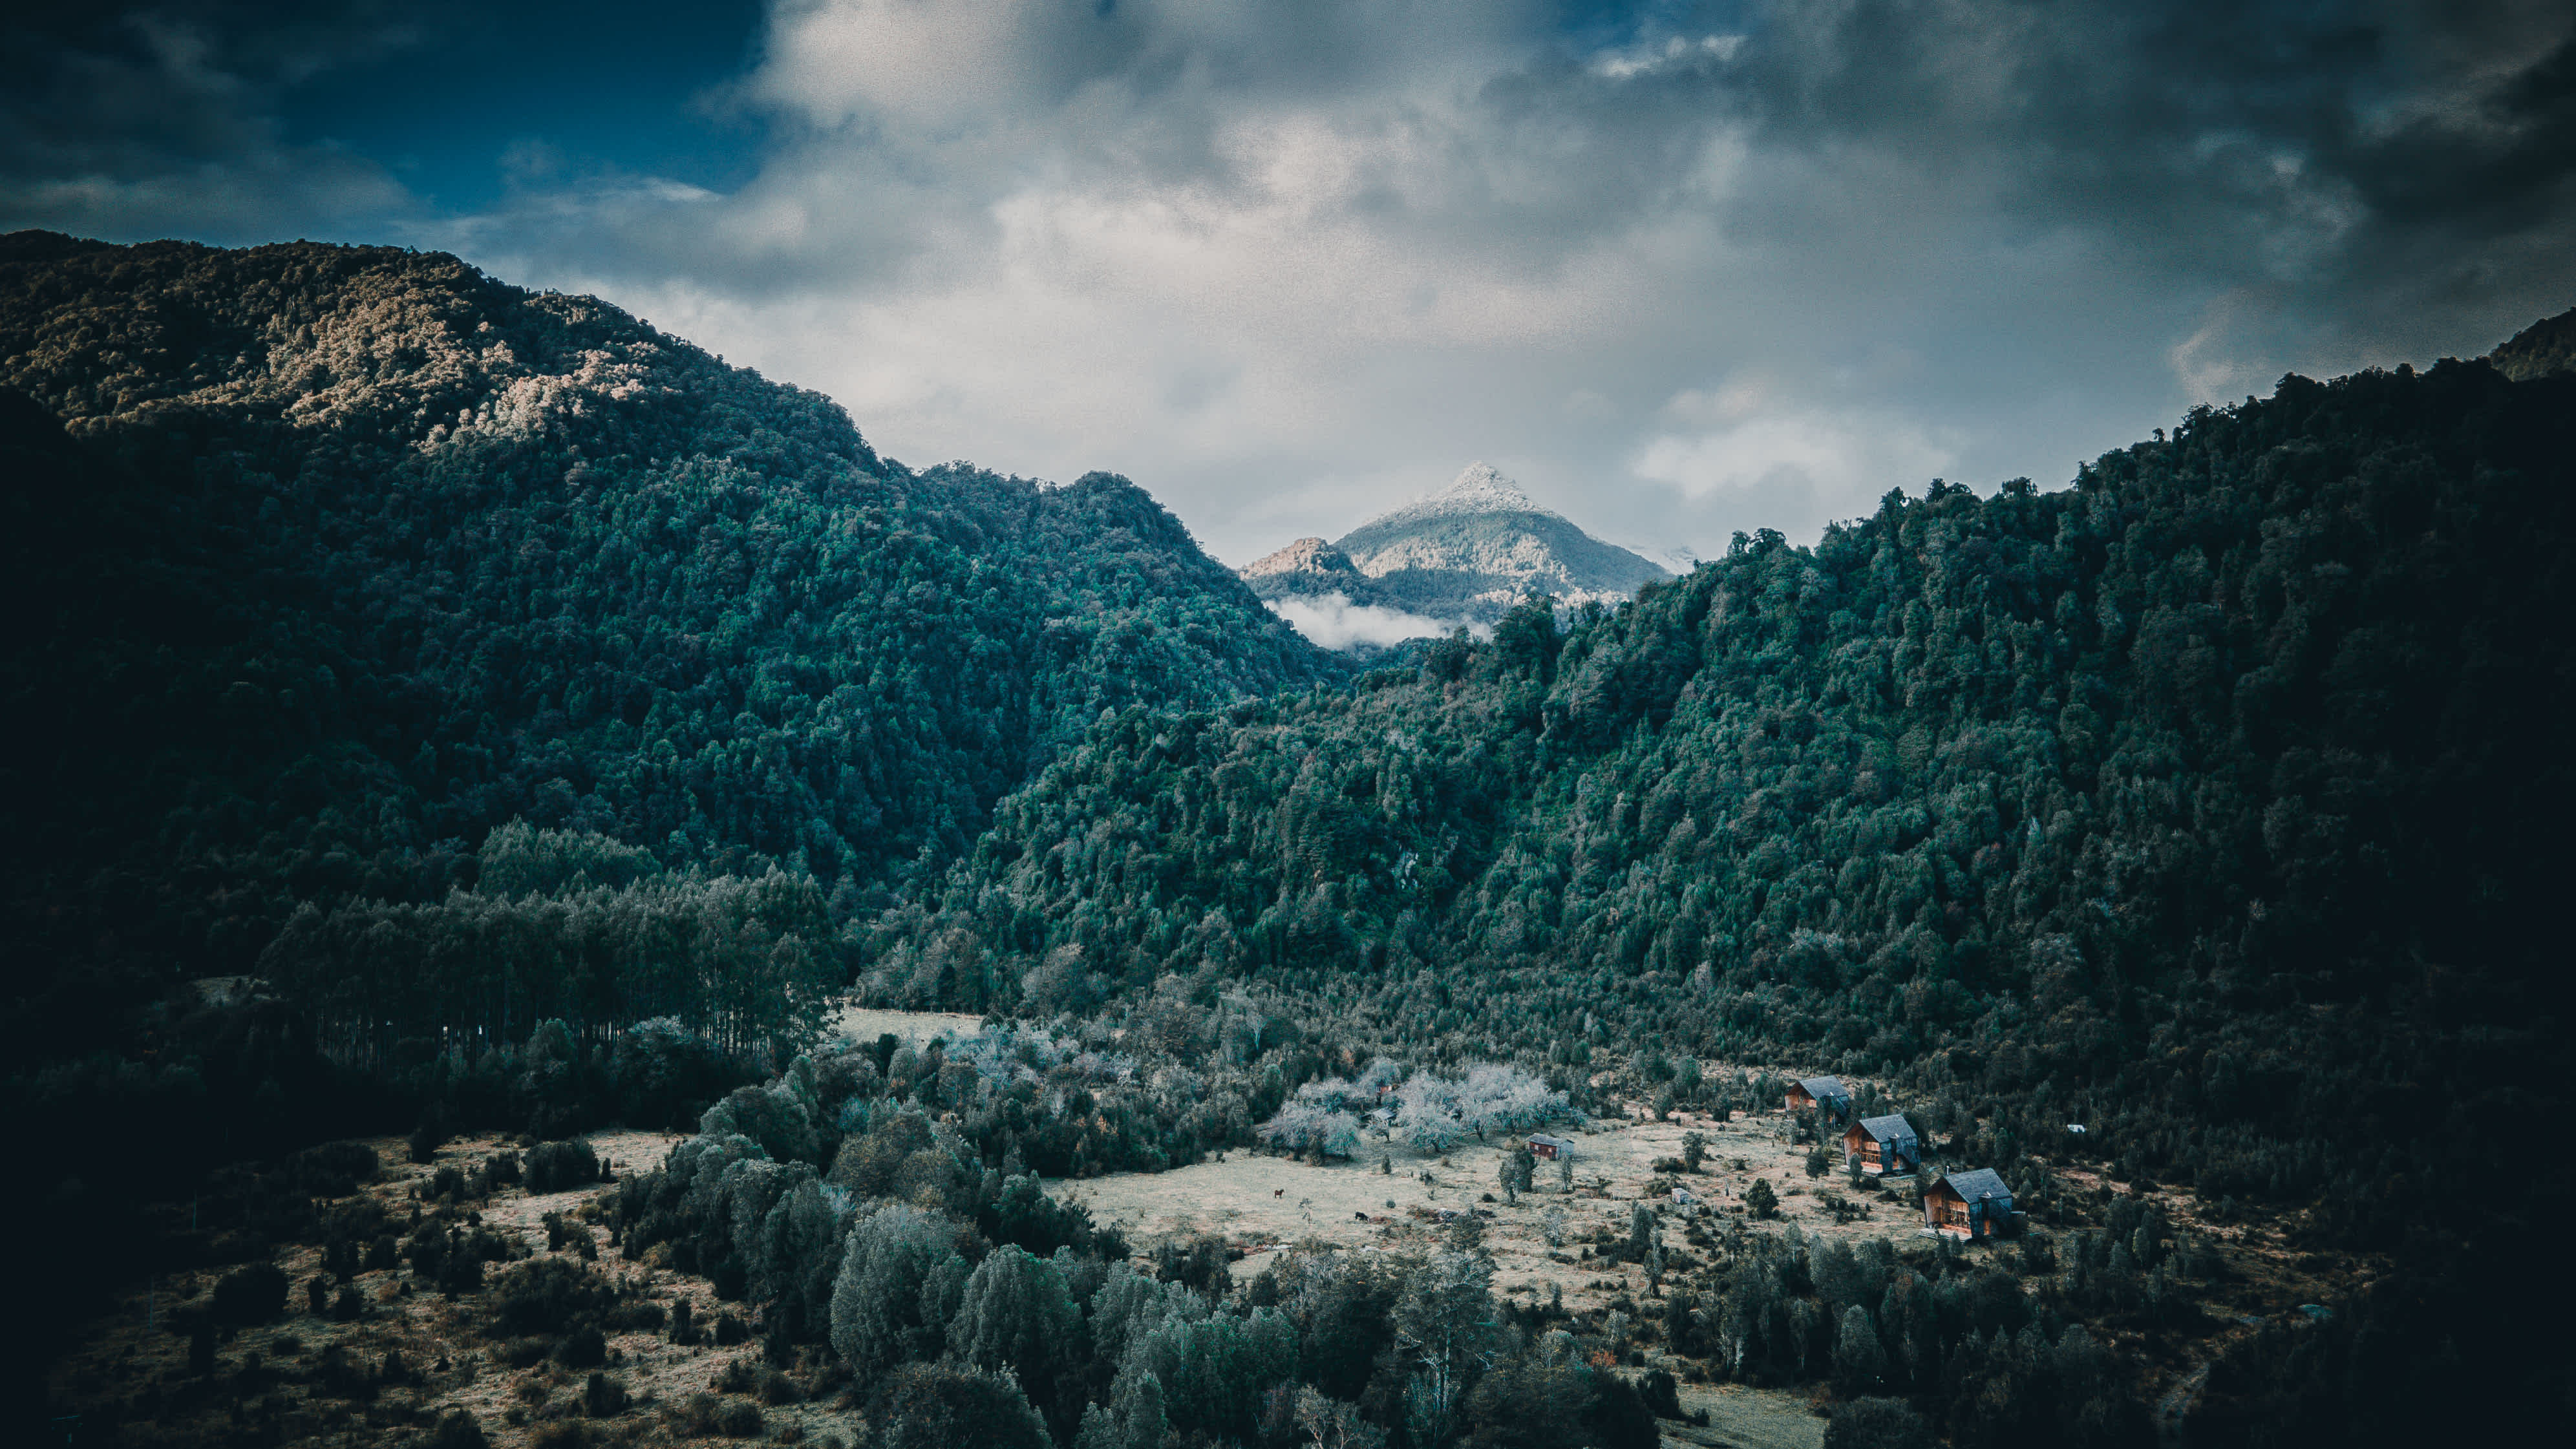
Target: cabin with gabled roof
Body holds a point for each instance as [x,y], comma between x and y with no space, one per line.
[1820,1094]
[1883,1146]
[1551,1148]
[1972,1205]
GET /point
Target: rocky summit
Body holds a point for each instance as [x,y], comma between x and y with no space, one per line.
[1464,555]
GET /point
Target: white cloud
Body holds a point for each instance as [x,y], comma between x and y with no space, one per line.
[1286,264]
[1807,463]
[1333,621]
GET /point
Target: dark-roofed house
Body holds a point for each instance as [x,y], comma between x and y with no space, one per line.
[1971,1204]
[1883,1146]
[1822,1094]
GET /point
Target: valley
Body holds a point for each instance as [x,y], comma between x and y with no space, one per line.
[1030,995]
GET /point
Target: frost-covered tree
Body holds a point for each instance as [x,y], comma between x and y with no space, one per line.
[1303,1125]
[1435,1113]
[1444,1322]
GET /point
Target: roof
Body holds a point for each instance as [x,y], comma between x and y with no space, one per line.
[1824,1087]
[1550,1141]
[1887,1129]
[1975,1184]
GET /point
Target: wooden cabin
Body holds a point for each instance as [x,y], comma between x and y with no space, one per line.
[1821,1094]
[1551,1148]
[1972,1205]
[1883,1146]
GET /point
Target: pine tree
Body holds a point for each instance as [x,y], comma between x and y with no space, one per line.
[1860,1363]
[1016,1314]
[876,1301]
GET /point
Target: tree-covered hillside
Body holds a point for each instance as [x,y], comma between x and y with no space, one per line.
[327,561]
[2216,800]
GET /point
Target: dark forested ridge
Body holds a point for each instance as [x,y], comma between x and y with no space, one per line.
[2216,802]
[2261,717]
[326,561]
[551,715]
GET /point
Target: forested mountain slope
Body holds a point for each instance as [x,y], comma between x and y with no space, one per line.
[2217,801]
[325,561]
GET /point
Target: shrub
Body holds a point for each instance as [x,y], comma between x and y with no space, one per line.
[561,1166]
[254,1294]
[460,1274]
[1760,1200]
[731,1279]
[777,1388]
[731,1330]
[561,1434]
[550,1296]
[334,1169]
[740,1419]
[1661,1394]
[423,1146]
[584,1347]
[1875,1423]
[635,1315]
[930,1406]
[694,1417]
[458,1430]
[603,1397]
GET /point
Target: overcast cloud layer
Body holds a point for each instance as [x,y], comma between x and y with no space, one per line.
[1679,270]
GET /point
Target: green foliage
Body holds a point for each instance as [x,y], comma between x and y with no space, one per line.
[549,1296]
[1859,1360]
[932,1406]
[1016,1314]
[1877,1423]
[877,1297]
[457,1429]
[440,584]
[2193,802]
[250,1295]
[557,1166]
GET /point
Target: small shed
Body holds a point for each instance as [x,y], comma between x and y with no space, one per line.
[1971,1204]
[1551,1148]
[1824,1094]
[1883,1146]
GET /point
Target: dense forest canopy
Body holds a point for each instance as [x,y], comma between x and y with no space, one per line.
[551,716]
[327,561]
[2217,800]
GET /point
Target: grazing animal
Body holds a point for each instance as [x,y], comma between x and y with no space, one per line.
[1279,1192]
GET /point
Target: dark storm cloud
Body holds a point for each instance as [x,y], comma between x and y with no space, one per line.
[2363,162]
[162,119]
[1680,268]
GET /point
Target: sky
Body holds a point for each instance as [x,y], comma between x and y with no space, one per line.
[1679,270]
